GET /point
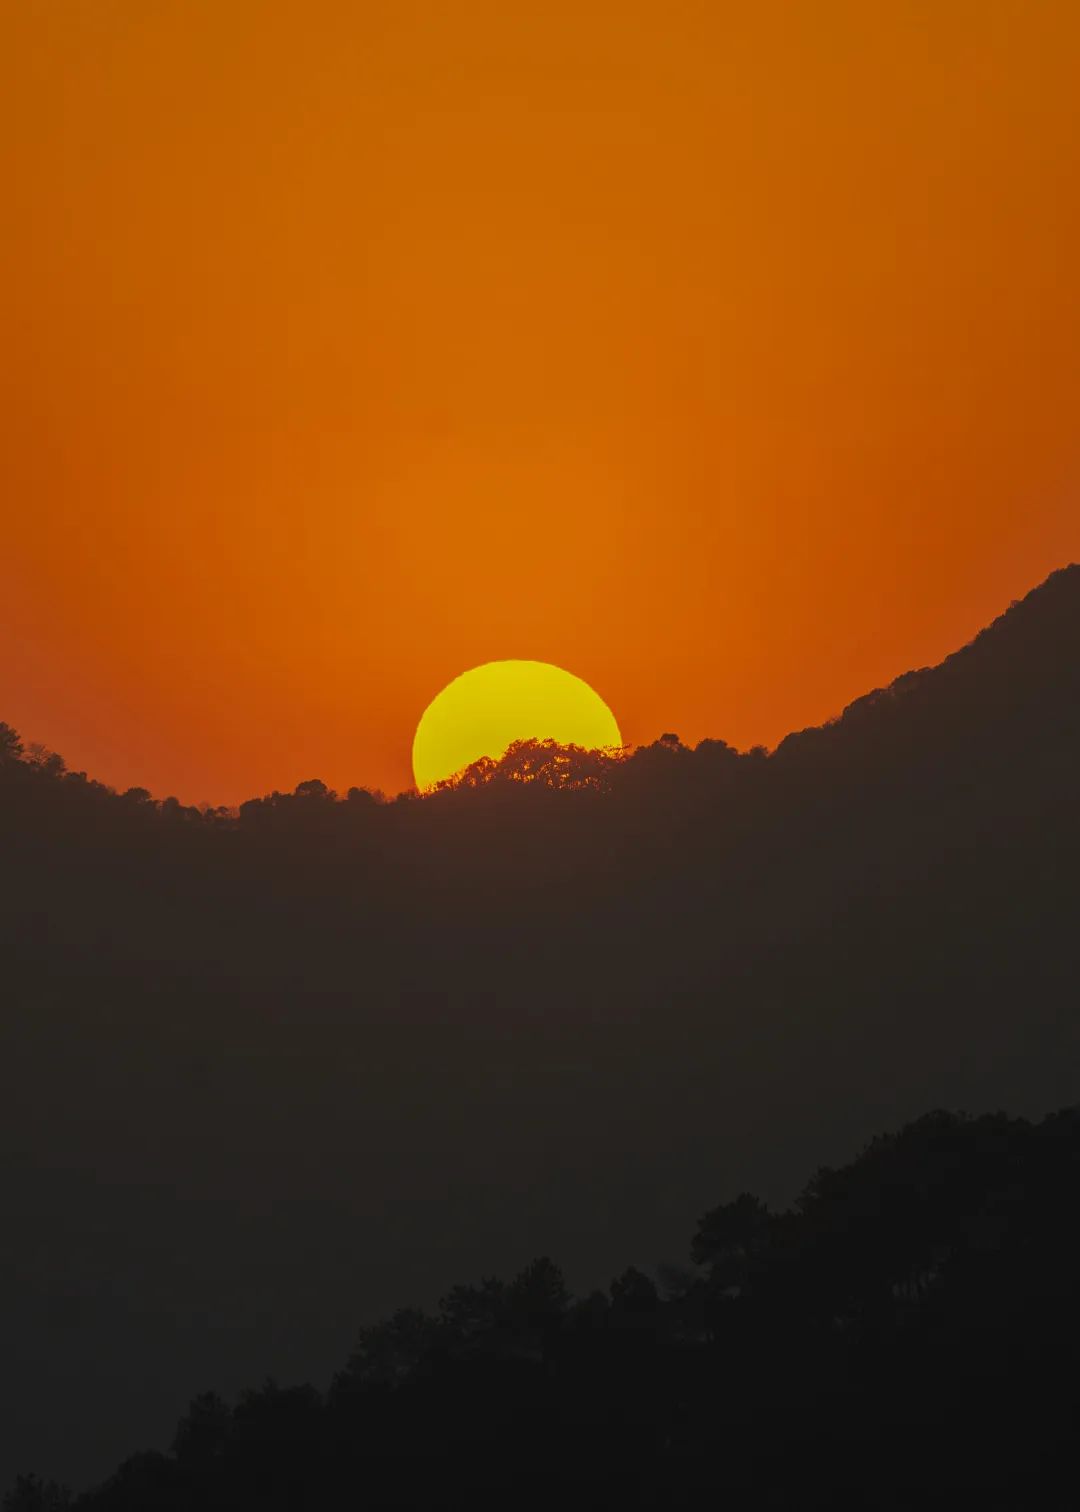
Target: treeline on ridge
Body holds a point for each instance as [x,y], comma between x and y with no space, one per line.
[944,783]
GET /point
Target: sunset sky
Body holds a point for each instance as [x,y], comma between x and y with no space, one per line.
[725,355]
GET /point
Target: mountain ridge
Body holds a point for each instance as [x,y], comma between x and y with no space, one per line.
[1029,628]
[1021,632]
[266,1077]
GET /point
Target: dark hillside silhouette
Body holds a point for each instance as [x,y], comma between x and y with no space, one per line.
[269,1074]
[893,1340]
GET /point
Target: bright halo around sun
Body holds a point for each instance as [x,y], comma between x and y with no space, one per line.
[482,713]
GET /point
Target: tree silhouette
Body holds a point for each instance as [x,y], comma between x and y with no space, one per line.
[387,1352]
[469,1310]
[887,1310]
[203,1434]
[545,763]
[537,1297]
[11,749]
[30,1493]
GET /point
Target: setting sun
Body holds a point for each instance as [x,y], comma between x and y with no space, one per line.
[484,710]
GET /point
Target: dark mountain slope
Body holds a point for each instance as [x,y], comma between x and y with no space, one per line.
[896,1339]
[1018,681]
[265,1076]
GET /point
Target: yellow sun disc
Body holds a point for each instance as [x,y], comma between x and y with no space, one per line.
[484,711]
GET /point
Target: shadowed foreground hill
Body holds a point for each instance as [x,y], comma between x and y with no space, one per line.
[897,1339]
[266,1074]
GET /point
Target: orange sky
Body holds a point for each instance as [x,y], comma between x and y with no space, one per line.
[727,355]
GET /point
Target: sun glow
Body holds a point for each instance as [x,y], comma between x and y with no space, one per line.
[485,710]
